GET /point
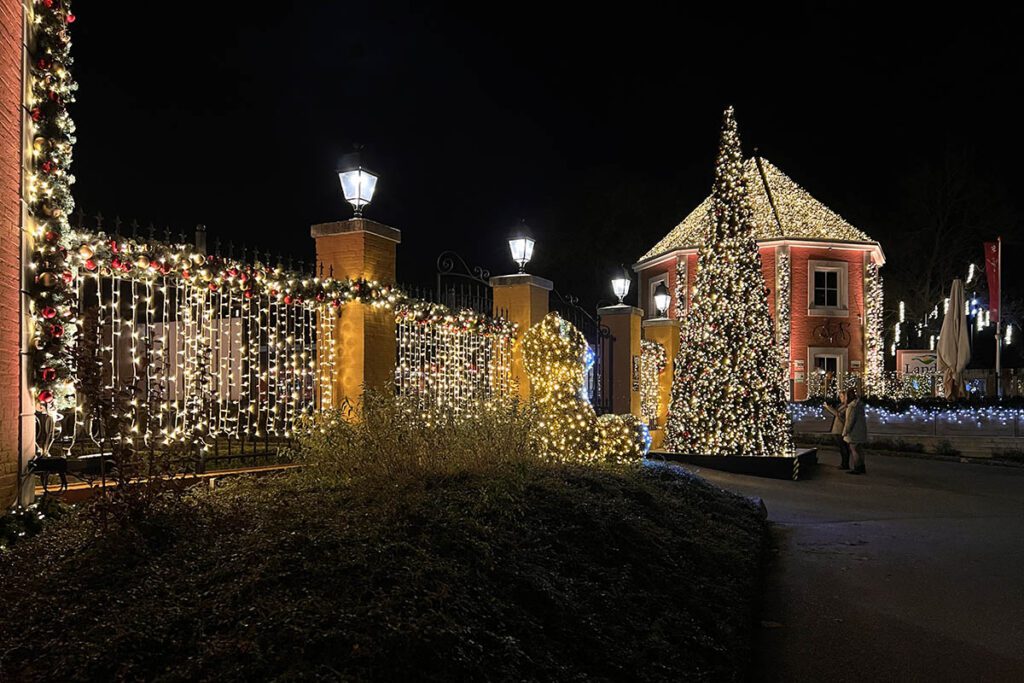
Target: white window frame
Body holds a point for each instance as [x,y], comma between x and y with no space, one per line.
[841,355]
[842,310]
[652,283]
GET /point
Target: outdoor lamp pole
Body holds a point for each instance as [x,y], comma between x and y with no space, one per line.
[662,299]
[521,245]
[357,182]
[620,284]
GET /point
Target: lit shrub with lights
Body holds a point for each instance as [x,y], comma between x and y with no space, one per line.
[566,427]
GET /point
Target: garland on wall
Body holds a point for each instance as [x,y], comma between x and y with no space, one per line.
[653,360]
[873,330]
[52,302]
[783,296]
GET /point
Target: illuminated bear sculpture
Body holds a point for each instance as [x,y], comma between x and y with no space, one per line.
[567,429]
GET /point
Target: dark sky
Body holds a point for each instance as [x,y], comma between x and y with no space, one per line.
[597,127]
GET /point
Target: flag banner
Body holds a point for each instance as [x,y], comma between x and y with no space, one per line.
[992,274]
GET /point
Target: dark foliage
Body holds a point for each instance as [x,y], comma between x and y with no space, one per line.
[526,572]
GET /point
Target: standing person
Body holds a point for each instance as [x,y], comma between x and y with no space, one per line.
[838,424]
[855,431]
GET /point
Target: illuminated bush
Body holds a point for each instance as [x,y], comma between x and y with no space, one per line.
[566,427]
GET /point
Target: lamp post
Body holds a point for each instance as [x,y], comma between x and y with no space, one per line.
[662,299]
[521,245]
[357,182]
[620,284]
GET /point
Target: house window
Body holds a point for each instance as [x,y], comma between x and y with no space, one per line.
[828,370]
[828,288]
[652,284]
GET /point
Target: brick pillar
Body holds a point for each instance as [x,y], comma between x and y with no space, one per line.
[624,324]
[12,423]
[365,336]
[523,299]
[665,331]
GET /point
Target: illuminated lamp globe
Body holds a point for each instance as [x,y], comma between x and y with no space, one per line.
[521,245]
[662,299]
[357,182]
[620,284]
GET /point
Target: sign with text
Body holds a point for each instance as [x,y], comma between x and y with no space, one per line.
[911,362]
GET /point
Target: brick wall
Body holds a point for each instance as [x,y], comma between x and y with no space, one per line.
[10,242]
[802,326]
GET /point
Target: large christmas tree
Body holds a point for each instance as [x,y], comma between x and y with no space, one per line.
[728,394]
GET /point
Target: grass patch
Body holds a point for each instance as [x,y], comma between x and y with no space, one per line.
[492,565]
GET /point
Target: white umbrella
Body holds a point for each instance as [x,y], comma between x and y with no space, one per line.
[954,347]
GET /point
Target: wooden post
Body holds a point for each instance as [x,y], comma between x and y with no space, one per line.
[364,336]
[524,299]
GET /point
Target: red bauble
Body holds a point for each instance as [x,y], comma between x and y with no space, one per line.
[247,293]
[273,292]
[48,374]
[319,296]
[49,312]
[45,396]
[114,248]
[37,114]
[336,304]
[68,277]
[90,264]
[48,166]
[185,274]
[116,264]
[213,286]
[233,272]
[48,3]
[287,298]
[71,18]
[56,331]
[43,63]
[51,235]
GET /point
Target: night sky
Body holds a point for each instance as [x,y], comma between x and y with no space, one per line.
[599,129]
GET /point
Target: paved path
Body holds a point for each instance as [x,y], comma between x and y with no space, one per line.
[914,572]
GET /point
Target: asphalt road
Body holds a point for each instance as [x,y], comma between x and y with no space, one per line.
[914,572]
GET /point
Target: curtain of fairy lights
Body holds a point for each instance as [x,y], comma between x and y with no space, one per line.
[181,362]
[652,363]
[447,366]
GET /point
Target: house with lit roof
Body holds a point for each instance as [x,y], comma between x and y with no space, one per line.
[822,273]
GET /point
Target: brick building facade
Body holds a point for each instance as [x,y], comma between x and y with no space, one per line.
[808,253]
[11,90]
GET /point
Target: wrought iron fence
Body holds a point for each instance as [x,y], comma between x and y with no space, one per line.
[598,379]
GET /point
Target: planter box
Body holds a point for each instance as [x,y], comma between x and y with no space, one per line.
[798,466]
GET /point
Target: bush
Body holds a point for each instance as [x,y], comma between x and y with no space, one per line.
[447,551]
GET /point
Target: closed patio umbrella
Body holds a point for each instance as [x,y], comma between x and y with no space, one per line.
[954,349]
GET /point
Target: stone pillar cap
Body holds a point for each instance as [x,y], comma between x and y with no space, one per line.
[521,279]
[620,309]
[661,322]
[356,225]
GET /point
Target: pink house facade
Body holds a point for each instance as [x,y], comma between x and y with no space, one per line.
[825,289]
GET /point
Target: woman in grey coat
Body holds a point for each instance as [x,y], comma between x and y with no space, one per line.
[838,422]
[855,431]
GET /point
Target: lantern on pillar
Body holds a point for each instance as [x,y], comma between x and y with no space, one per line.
[521,245]
[357,182]
[662,299]
[620,284]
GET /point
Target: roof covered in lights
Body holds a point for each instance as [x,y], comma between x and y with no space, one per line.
[782,210]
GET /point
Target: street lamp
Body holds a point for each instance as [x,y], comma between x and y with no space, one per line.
[620,284]
[662,299]
[521,245]
[357,182]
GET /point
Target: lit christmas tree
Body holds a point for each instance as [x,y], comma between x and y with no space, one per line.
[728,393]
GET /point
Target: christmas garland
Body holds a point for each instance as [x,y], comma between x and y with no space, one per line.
[465,320]
[52,302]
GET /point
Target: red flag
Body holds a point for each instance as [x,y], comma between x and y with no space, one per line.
[992,263]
